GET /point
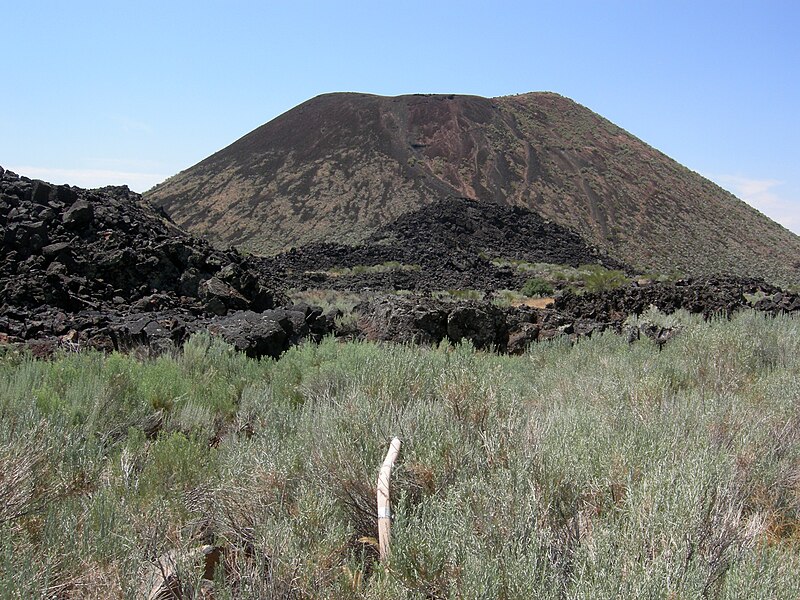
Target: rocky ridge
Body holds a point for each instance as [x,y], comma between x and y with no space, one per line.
[104,269]
[512,329]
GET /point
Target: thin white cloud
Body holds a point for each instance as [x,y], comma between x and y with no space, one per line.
[764,195]
[122,164]
[91,178]
[129,125]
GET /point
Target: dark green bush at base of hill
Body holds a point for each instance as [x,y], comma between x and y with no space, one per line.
[600,279]
[537,287]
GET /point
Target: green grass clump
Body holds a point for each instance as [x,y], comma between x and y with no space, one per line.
[504,298]
[457,294]
[327,299]
[536,286]
[385,267]
[585,278]
[596,470]
[600,279]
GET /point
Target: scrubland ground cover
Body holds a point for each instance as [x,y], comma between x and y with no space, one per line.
[599,470]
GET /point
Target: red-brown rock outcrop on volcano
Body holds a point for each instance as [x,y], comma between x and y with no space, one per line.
[340,166]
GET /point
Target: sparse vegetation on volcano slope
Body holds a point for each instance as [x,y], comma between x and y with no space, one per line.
[603,469]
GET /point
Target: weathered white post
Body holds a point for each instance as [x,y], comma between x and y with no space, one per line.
[384,502]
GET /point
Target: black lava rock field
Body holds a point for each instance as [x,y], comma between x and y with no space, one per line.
[104,269]
[450,244]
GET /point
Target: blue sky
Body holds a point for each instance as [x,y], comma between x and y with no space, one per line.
[94,93]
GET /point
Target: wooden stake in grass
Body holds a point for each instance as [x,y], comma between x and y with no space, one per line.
[384,503]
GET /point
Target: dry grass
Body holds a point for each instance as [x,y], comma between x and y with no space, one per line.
[533,302]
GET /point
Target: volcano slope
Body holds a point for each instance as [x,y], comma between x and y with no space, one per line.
[341,166]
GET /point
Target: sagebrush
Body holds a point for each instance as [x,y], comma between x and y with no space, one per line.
[596,470]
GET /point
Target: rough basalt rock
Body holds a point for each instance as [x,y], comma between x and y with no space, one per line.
[521,337]
[403,320]
[513,329]
[78,215]
[486,326]
[450,245]
[482,325]
[707,296]
[102,268]
[254,334]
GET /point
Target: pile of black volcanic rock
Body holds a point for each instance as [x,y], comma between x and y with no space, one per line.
[470,227]
[511,329]
[321,265]
[450,242]
[707,296]
[103,268]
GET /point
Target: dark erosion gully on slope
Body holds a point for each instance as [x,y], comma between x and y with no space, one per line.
[103,269]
